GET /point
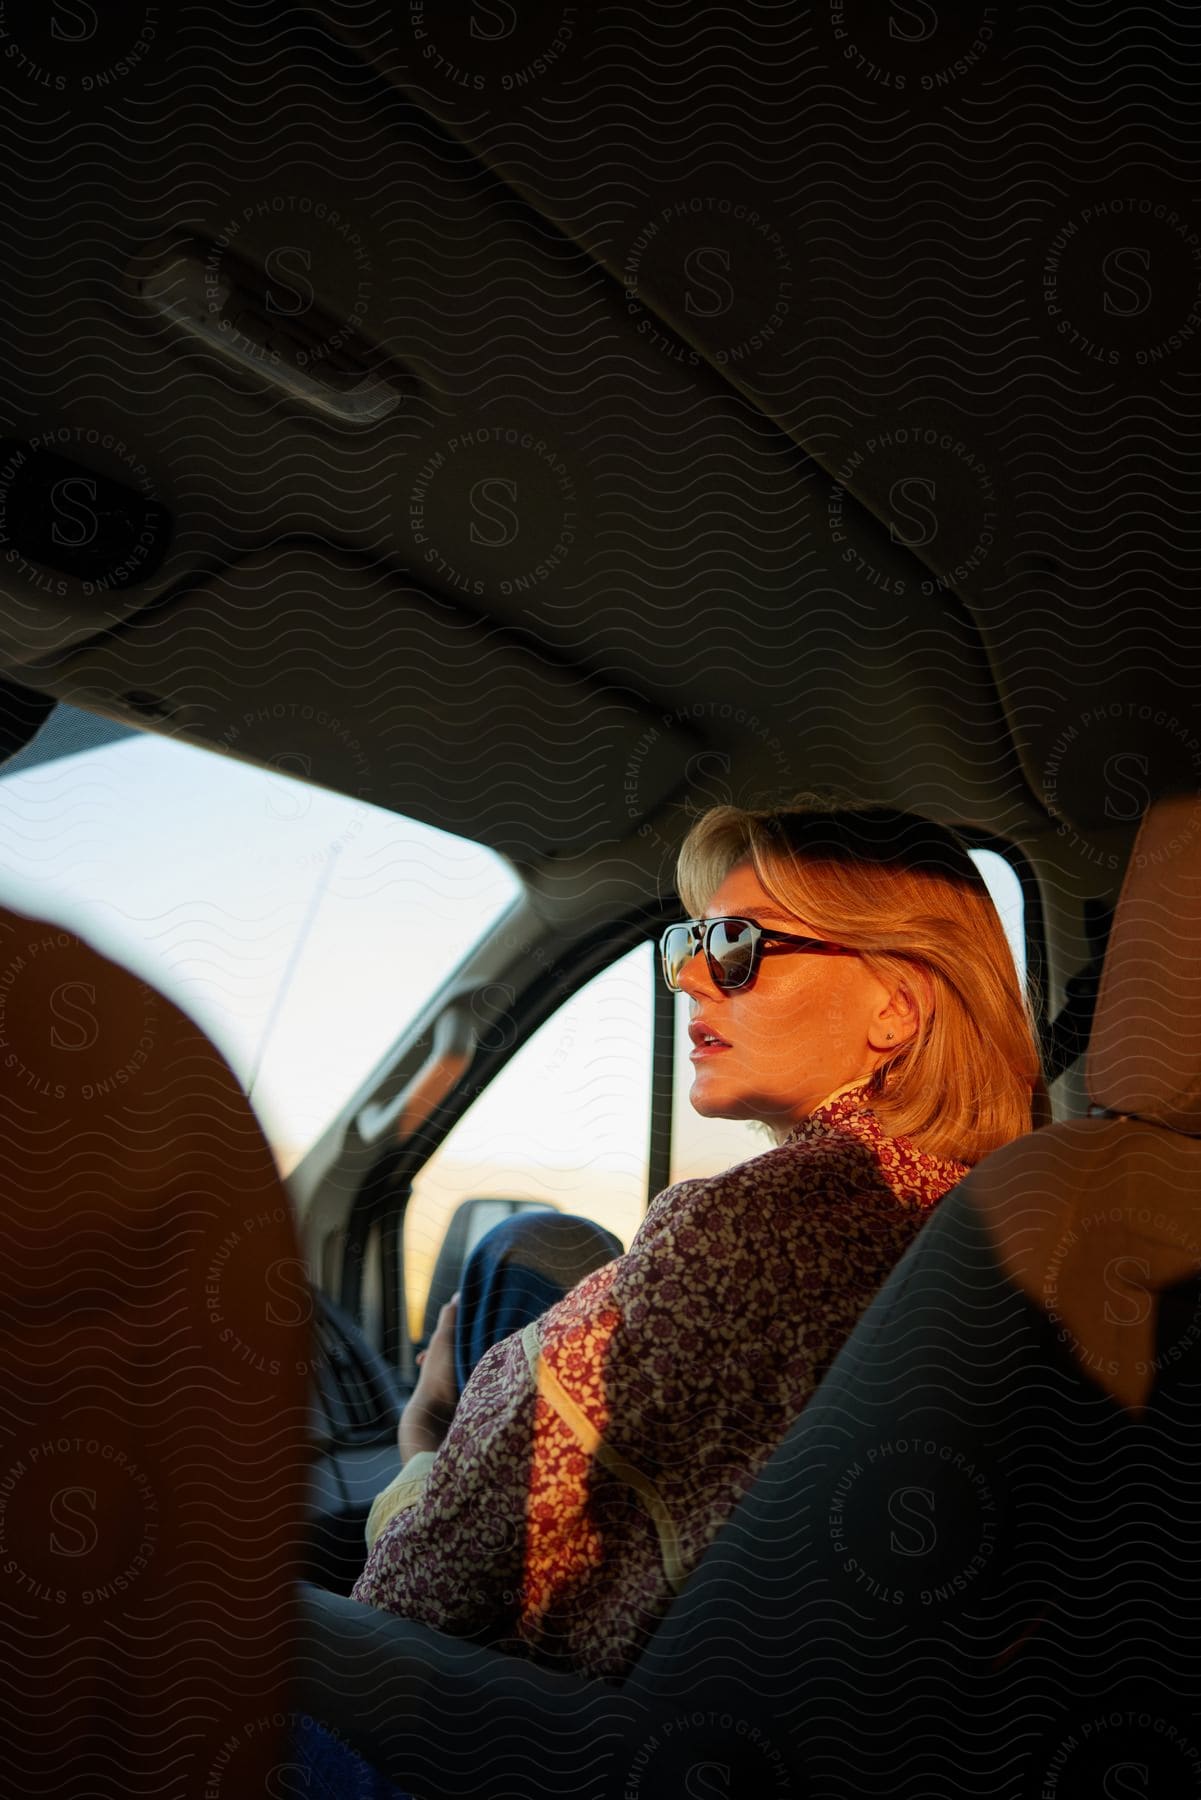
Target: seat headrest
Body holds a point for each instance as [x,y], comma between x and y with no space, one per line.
[1144,1056]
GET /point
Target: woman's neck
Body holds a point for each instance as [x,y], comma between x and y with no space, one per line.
[784,1131]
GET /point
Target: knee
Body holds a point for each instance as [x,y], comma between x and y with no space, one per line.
[562,1246]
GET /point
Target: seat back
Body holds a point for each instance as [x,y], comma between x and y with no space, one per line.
[154,1325]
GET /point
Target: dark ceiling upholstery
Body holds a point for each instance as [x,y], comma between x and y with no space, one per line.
[955,254]
[815,385]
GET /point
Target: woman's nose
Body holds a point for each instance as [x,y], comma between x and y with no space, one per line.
[695,979]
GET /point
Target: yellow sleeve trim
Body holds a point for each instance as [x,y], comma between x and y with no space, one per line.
[400,1492]
[591,1442]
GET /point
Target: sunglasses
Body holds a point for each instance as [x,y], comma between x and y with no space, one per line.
[732,949]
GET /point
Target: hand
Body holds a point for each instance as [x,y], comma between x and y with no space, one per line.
[425,1421]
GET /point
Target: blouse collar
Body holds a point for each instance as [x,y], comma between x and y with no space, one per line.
[854,1101]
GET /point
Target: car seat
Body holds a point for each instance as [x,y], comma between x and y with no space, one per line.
[155,1326]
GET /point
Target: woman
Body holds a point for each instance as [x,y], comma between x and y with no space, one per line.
[850,986]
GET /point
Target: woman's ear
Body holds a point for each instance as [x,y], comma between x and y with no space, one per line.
[898,1019]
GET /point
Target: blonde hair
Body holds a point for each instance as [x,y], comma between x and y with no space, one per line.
[905,893]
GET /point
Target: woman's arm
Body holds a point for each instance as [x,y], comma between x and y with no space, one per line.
[451,1555]
[481,1532]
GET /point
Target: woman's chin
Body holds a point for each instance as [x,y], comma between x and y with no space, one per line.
[707,1100]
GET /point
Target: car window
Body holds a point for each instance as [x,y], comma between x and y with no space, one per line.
[301,929]
[565,1122]
[1002,881]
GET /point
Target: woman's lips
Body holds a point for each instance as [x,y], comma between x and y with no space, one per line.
[705,1041]
[706,1050]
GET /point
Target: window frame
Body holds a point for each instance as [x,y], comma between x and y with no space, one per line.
[383,1194]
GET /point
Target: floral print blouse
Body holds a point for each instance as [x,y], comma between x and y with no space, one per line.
[593,1457]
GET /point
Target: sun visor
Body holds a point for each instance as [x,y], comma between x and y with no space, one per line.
[325,668]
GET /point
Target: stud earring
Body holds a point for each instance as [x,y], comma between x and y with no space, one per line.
[888,1034]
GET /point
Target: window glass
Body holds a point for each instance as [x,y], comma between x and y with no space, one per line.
[1001,879]
[707,1146]
[566,1122]
[301,929]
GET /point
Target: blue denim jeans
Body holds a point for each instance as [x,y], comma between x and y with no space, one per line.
[329,1767]
[518,1271]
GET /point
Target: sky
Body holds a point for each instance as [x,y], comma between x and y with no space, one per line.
[203,875]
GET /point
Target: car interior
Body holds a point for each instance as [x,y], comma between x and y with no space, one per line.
[538,425]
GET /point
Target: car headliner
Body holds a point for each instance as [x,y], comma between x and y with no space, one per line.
[734,444]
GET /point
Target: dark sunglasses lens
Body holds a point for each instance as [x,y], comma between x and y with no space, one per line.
[732,949]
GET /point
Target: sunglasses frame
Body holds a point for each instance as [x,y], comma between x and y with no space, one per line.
[702,930]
